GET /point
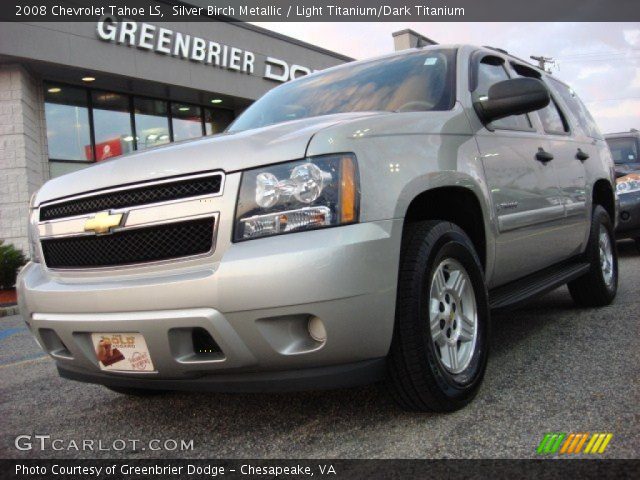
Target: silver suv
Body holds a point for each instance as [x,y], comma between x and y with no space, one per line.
[355,225]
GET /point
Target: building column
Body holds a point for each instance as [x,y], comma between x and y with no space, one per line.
[408,38]
[23,151]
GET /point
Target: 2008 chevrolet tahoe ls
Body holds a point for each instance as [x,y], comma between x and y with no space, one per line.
[354,225]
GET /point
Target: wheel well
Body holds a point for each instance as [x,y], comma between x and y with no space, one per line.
[453,204]
[603,195]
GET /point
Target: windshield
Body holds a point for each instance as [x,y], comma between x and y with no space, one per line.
[623,150]
[419,81]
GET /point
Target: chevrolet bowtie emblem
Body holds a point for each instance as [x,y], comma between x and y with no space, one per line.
[103,222]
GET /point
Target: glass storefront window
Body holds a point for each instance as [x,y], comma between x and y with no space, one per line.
[67,117]
[187,121]
[61,168]
[216,120]
[112,124]
[152,122]
[83,124]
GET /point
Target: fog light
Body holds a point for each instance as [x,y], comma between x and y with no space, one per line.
[625,216]
[317,330]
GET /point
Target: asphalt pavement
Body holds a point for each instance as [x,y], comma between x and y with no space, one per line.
[553,368]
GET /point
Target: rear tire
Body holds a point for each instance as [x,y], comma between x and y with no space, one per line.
[637,240]
[440,343]
[599,285]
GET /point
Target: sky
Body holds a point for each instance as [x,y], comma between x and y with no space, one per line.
[601,61]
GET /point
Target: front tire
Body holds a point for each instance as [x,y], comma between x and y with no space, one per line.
[598,287]
[440,343]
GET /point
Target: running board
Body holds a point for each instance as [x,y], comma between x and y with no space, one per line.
[520,291]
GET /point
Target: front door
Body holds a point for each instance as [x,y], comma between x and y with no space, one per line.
[527,204]
[525,196]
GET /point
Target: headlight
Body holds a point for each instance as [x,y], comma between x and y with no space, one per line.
[32,232]
[628,183]
[306,194]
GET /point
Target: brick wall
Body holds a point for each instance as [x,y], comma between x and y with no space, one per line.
[23,159]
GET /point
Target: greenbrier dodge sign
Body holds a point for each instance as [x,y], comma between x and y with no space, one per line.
[164,41]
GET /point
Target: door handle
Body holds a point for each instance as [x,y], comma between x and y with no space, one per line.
[582,156]
[543,156]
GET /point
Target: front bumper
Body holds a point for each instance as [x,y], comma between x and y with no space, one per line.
[255,302]
[628,216]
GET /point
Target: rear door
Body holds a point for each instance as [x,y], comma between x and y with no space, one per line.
[570,149]
[525,196]
[588,151]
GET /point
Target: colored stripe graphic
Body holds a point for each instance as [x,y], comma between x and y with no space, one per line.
[553,443]
[580,444]
[570,439]
[594,437]
[605,442]
[598,443]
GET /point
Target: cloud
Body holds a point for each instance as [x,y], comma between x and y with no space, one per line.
[621,108]
[591,70]
[632,37]
[617,115]
[635,83]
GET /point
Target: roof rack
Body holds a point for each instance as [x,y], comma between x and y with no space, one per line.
[501,50]
[526,62]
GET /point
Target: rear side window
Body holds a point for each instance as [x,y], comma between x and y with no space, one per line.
[552,119]
[623,150]
[578,111]
[491,70]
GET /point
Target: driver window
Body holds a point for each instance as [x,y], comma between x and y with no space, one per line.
[491,70]
[551,116]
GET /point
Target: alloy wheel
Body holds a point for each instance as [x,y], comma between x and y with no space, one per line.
[606,255]
[453,315]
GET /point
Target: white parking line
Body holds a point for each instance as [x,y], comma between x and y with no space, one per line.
[22,362]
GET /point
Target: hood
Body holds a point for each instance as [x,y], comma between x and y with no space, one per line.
[228,152]
[623,169]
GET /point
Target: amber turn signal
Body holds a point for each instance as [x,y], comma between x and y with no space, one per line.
[348,190]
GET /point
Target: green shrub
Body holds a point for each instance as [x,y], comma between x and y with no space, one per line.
[11,259]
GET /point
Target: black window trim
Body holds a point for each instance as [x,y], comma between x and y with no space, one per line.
[131,96]
[475,60]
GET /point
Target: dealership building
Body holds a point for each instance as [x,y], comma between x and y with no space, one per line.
[72,94]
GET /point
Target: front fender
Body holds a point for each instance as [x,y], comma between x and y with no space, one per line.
[403,155]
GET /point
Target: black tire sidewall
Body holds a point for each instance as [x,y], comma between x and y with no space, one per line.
[601,217]
[455,245]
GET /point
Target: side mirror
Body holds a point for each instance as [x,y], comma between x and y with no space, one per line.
[515,96]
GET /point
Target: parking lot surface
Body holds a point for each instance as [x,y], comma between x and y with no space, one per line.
[553,368]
